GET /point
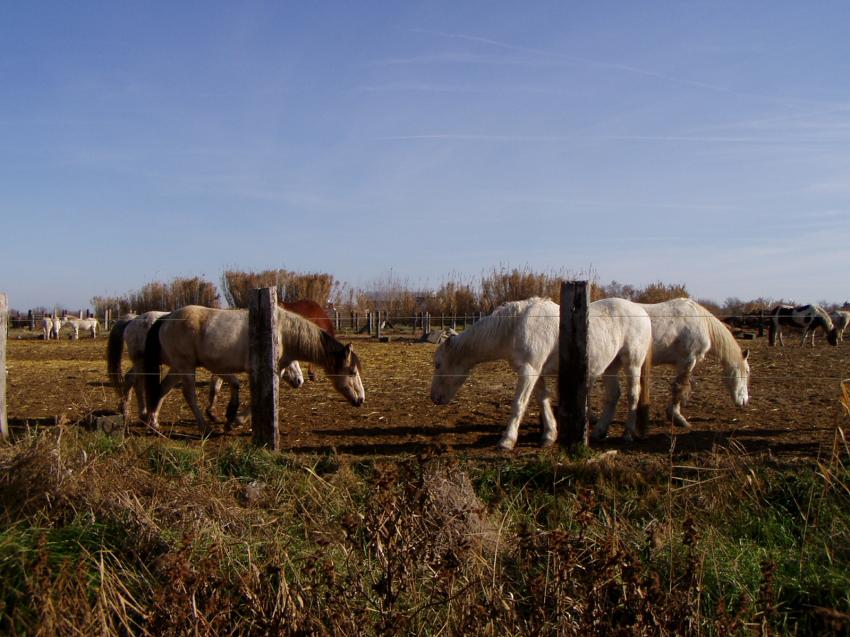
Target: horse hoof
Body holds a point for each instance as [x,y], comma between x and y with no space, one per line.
[211,416]
[547,442]
[506,444]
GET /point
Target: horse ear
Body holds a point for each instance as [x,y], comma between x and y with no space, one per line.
[746,353]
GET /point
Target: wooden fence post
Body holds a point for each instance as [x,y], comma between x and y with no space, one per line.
[264,348]
[31,320]
[4,311]
[336,320]
[572,364]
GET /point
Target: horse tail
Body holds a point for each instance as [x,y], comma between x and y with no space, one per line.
[114,349]
[153,351]
[645,400]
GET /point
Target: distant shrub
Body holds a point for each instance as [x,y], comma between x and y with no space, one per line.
[291,286]
[158,295]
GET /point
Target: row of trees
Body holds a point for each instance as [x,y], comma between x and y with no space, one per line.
[456,295]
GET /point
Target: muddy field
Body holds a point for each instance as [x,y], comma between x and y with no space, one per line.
[793,409]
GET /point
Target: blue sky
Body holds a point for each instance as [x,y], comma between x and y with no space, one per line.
[705,143]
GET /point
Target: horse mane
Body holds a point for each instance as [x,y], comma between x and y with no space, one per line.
[823,315]
[722,340]
[309,342]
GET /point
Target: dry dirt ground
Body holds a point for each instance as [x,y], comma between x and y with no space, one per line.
[793,410]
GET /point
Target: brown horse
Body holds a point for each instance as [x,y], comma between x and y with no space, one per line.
[311,311]
[217,340]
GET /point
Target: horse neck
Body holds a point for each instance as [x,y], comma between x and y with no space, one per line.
[487,340]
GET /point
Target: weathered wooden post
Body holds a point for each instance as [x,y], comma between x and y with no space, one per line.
[336,320]
[442,322]
[4,311]
[454,321]
[464,322]
[31,320]
[378,325]
[264,348]
[370,322]
[107,317]
[427,322]
[572,364]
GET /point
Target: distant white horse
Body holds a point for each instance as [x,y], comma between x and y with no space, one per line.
[840,320]
[525,334]
[77,324]
[132,331]
[683,332]
[806,317]
[50,327]
[196,336]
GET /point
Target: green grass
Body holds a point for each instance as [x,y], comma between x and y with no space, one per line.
[258,541]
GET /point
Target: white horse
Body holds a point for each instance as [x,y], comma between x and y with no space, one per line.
[806,317]
[525,334]
[840,320]
[683,332]
[196,336]
[50,327]
[77,324]
[132,331]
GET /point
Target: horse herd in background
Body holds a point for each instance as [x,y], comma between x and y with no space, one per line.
[622,335]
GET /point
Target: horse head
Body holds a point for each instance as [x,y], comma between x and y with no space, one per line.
[738,379]
[832,336]
[292,374]
[345,375]
[450,372]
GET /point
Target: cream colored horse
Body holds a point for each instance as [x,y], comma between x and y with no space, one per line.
[78,324]
[50,327]
[217,340]
[683,332]
[525,334]
[132,331]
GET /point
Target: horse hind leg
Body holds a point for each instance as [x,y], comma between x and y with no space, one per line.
[611,381]
[633,382]
[527,378]
[191,396]
[170,381]
[680,392]
[550,425]
[234,418]
[215,387]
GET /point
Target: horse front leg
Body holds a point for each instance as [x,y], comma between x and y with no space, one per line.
[611,381]
[680,391]
[527,378]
